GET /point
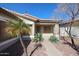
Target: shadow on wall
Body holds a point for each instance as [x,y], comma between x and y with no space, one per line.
[16,49]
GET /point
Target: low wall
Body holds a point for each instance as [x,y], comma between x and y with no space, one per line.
[13,46]
[7,43]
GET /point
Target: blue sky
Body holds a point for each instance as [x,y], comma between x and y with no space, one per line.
[41,10]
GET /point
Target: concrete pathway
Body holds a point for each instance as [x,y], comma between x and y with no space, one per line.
[51,49]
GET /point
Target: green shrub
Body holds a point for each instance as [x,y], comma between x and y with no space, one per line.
[38,37]
[53,39]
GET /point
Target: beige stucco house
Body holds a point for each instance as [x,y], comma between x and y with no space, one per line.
[45,26]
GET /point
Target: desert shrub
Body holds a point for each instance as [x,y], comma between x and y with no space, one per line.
[53,39]
[38,37]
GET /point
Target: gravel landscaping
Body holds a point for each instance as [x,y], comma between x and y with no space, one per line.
[40,51]
[66,49]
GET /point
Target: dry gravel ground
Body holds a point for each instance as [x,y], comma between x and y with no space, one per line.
[51,49]
[47,49]
[40,51]
[65,49]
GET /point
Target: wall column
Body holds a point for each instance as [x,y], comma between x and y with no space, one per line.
[56,30]
[33,30]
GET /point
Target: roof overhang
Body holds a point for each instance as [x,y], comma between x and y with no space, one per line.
[5,12]
[74,22]
[46,22]
[16,15]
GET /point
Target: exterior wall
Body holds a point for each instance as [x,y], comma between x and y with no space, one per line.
[74,31]
[63,32]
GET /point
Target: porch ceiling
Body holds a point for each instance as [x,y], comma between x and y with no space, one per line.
[39,24]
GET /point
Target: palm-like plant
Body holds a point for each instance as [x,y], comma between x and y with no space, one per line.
[17,28]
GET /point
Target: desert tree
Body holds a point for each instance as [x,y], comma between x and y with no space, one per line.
[72,12]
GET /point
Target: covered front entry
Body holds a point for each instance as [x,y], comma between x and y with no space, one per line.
[44,29]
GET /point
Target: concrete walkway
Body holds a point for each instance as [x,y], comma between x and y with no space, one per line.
[51,49]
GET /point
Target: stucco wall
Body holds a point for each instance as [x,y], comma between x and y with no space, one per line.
[74,31]
[63,32]
[56,30]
